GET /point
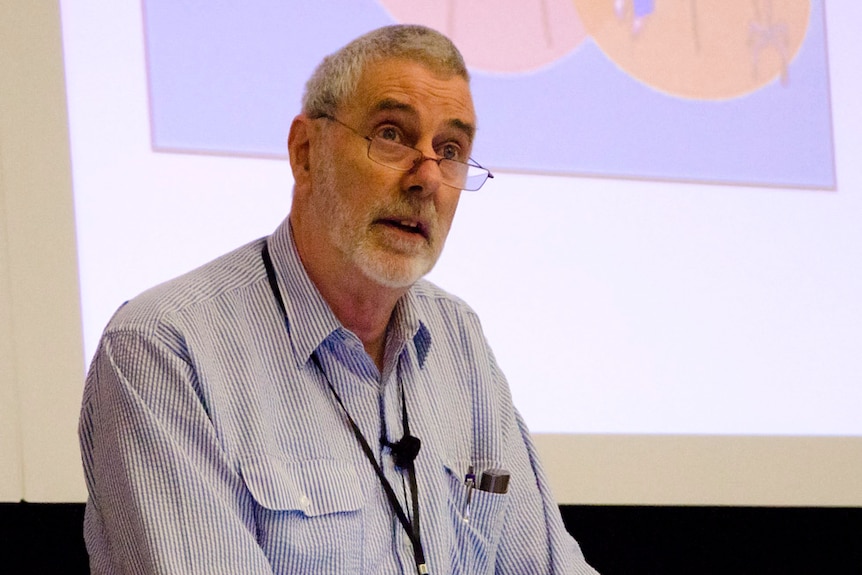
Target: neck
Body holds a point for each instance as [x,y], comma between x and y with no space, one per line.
[361,305]
[367,317]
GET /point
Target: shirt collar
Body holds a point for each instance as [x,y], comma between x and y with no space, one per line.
[407,324]
[310,321]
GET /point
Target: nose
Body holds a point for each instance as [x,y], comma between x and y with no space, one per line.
[425,177]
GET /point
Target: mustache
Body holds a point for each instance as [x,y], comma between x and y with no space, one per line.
[419,215]
[408,208]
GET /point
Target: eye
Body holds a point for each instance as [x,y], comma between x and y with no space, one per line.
[451,151]
[389,133]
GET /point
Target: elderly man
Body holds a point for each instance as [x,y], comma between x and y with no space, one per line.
[307,403]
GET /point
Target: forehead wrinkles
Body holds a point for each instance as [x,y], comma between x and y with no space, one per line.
[414,89]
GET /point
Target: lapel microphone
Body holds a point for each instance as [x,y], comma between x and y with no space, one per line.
[404,450]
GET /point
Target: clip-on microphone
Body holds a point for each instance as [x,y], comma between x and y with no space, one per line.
[404,450]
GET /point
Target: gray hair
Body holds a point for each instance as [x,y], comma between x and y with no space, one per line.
[337,76]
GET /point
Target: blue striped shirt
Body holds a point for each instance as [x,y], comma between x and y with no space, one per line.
[212,443]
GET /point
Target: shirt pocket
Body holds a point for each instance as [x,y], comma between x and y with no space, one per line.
[477,537]
[308,513]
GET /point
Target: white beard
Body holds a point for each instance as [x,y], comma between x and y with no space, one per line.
[350,231]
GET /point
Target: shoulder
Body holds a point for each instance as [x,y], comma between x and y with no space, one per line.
[447,317]
[207,285]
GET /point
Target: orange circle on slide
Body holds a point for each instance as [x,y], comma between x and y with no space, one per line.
[705,49]
[499,35]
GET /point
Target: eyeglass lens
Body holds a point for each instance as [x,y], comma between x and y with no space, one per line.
[400,157]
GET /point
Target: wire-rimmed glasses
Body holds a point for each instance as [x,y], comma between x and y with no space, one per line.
[469,176]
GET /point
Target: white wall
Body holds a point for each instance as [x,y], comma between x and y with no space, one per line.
[41,366]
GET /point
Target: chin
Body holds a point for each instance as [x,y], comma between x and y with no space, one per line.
[395,272]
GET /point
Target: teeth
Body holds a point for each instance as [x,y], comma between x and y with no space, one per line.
[408,224]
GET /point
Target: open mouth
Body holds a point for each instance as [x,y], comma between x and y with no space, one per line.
[406,225]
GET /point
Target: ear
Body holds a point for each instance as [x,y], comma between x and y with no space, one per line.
[299,151]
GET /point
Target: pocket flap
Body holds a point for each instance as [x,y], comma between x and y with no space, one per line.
[313,487]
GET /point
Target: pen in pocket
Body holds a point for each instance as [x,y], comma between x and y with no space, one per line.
[470,484]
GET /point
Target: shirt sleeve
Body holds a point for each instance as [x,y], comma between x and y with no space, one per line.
[534,538]
[163,495]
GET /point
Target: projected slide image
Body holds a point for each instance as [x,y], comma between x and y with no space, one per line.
[678,90]
[507,36]
[698,49]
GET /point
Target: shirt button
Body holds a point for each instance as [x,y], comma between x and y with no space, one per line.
[306,503]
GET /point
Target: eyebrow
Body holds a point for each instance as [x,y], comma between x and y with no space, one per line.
[393,104]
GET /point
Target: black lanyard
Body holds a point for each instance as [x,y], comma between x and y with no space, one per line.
[410,527]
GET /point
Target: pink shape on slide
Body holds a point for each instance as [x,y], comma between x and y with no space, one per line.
[499,35]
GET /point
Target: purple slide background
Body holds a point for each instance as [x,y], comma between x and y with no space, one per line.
[226,78]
